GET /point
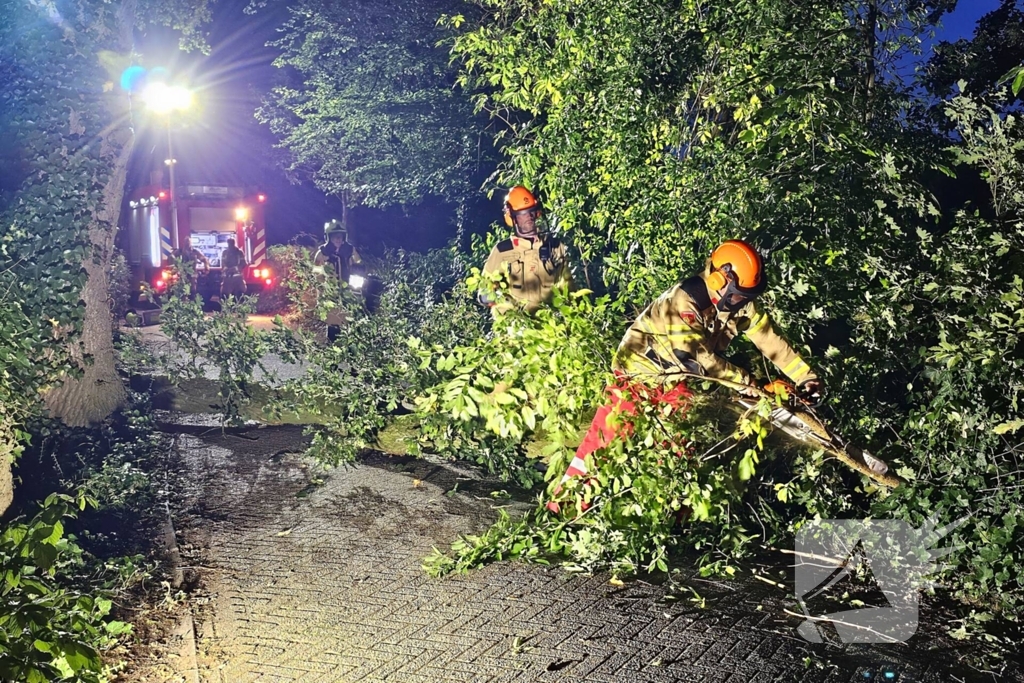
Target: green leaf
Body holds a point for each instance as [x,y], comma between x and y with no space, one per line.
[529,418]
[1008,427]
[34,675]
[117,628]
[103,606]
[44,555]
[1018,81]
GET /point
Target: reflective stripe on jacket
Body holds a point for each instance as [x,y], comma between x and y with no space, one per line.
[532,268]
[675,335]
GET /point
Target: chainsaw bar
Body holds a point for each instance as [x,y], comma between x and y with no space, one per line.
[804,426]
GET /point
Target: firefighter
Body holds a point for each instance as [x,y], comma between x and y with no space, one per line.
[197,261]
[341,257]
[336,251]
[189,254]
[532,263]
[688,326]
[683,333]
[233,261]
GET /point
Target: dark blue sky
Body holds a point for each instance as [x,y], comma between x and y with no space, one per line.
[221,142]
[961,23]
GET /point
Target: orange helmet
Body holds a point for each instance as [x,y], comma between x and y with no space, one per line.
[519,199]
[738,269]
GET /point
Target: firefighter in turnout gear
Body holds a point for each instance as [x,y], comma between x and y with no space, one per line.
[233,262]
[336,251]
[338,255]
[688,326]
[681,334]
[531,263]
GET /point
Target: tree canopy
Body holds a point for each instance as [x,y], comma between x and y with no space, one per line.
[372,113]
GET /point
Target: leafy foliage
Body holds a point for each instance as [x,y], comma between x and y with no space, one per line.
[310,293]
[374,116]
[670,471]
[962,426]
[655,130]
[370,370]
[484,396]
[223,341]
[53,174]
[49,631]
[59,589]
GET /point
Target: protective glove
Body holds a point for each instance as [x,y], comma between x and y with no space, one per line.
[778,387]
[812,392]
[750,390]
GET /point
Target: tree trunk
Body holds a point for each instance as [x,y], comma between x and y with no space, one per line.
[98,392]
[7,452]
[870,66]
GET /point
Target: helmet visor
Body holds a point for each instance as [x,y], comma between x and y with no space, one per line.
[533,212]
[734,297]
[525,220]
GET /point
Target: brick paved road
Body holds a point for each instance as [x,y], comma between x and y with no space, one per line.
[319,582]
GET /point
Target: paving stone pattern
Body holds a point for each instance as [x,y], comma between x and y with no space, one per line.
[321,582]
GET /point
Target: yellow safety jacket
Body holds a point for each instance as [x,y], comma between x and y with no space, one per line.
[532,268]
[682,331]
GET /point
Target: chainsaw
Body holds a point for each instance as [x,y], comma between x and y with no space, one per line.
[796,418]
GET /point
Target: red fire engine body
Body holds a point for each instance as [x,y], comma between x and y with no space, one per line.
[208,215]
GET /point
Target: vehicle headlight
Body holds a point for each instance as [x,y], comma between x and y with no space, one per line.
[356,281]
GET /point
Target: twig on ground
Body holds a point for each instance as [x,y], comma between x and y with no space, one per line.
[770,582]
[823,558]
[843,623]
[716,583]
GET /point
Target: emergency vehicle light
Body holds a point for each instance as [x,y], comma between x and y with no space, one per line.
[241,213]
[261,197]
[163,195]
[133,203]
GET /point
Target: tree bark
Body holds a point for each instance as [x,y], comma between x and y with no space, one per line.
[98,391]
[7,452]
[870,42]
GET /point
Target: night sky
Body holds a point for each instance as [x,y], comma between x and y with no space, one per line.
[220,141]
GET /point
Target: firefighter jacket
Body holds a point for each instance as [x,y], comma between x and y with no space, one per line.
[340,258]
[683,331]
[233,260]
[532,268]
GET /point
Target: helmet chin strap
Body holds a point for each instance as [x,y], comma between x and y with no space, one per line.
[528,235]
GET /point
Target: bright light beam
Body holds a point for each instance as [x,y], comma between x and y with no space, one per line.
[163,99]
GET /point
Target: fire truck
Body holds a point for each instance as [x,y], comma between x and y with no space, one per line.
[207,216]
